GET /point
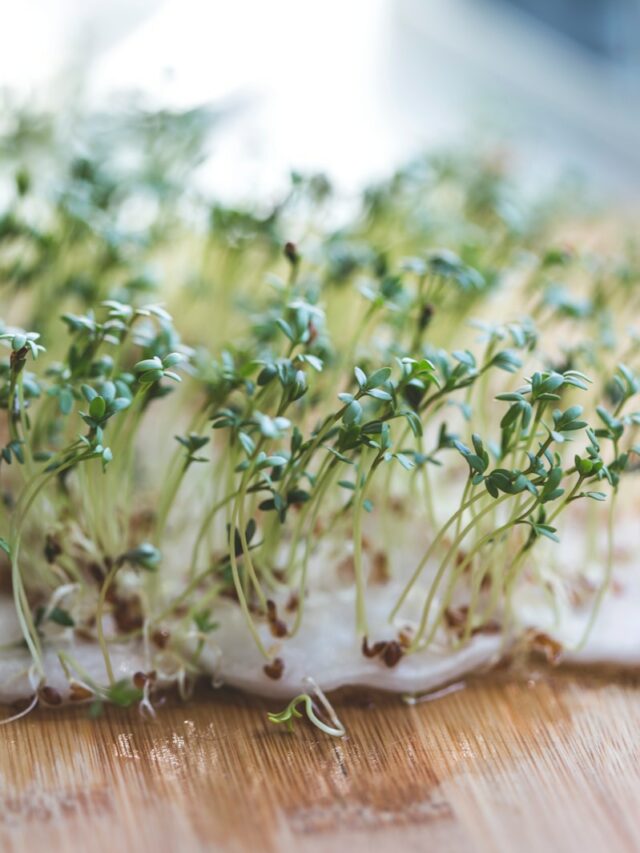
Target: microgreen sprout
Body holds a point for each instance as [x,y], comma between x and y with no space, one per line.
[291,712]
[287,716]
[367,406]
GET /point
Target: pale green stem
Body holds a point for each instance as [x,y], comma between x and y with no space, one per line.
[429,552]
[451,552]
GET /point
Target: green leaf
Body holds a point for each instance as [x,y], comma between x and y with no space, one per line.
[583,466]
[507,361]
[204,623]
[548,531]
[172,359]
[511,397]
[379,394]
[88,393]
[61,617]
[276,461]
[347,484]
[151,376]
[339,456]
[124,693]
[407,464]
[119,404]
[465,357]
[148,364]
[414,422]
[286,329]
[353,413]
[146,555]
[297,496]
[314,361]
[263,461]
[97,408]
[247,443]
[378,377]
[267,373]
[65,401]
[361,377]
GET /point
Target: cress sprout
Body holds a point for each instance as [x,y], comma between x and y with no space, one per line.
[206,415]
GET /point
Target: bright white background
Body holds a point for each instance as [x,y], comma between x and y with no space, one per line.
[348,86]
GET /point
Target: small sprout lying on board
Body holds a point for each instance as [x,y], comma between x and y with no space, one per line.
[291,713]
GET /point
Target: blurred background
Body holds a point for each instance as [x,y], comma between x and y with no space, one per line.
[352,88]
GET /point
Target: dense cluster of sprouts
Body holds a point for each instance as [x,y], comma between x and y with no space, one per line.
[430,383]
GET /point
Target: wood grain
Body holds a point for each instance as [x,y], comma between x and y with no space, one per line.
[552,764]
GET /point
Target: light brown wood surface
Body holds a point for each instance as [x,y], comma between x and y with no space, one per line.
[548,765]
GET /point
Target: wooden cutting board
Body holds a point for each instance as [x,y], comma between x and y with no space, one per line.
[552,764]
